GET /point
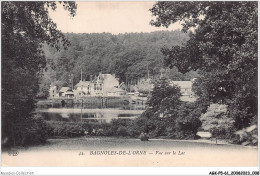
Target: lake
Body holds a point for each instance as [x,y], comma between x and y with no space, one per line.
[97,115]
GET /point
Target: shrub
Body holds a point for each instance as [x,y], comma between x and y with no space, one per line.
[66,129]
[168,116]
[159,127]
[217,121]
[31,131]
[100,132]
[144,137]
[119,127]
[77,129]
[122,131]
[136,126]
[246,136]
[179,121]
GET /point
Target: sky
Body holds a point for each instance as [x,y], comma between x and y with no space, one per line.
[113,17]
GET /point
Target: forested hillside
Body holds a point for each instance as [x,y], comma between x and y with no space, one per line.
[129,56]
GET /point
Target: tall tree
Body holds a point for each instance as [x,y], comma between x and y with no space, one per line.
[26,26]
[223,47]
[129,56]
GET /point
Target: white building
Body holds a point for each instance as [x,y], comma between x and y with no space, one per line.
[101,85]
[53,92]
[83,88]
[115,92]
[63,91]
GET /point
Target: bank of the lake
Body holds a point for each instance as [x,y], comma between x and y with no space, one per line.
[91,102]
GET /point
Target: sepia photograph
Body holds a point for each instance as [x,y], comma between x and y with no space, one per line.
[129,83]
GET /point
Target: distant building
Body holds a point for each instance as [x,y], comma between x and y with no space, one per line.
[83,88]
[69,94]
[147,84]
[144,85]
[53,92]
[79,93]
[63,91]
[123,86]
[116,92]
[101,85]
[186,90]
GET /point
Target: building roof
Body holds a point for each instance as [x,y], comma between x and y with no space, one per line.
[102,77]
[64,89]
[183,84]
[79,91]
[83,83]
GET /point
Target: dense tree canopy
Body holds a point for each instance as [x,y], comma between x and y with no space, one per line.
[224,49]
[167,115]
[26,26]
[129,56]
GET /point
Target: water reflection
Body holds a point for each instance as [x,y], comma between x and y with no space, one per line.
[91,115]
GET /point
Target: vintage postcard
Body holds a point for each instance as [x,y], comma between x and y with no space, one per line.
[123,83]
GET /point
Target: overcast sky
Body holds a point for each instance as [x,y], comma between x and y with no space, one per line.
[113,17]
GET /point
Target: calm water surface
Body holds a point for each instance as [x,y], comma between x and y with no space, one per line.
[104,115]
